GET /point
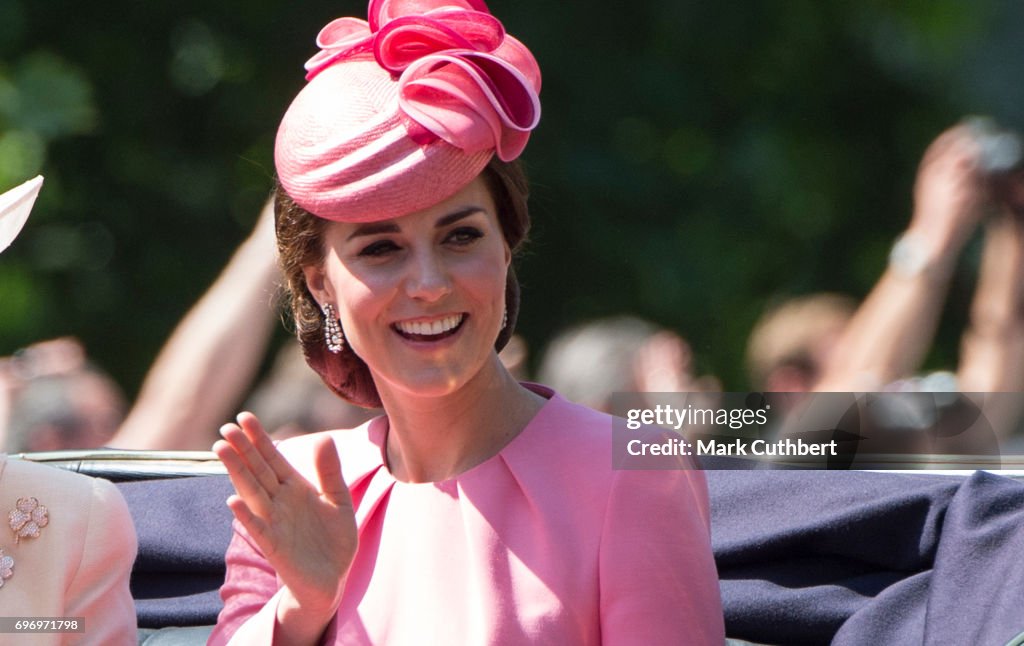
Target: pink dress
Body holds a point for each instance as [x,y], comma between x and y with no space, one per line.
[543,543]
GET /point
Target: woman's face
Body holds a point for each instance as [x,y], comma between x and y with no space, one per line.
[420,297]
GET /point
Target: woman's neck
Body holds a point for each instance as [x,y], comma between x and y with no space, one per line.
[437,438]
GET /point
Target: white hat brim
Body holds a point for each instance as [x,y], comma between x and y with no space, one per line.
[15,206]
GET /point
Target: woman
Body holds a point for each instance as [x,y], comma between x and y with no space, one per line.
[476,510]
[67,552]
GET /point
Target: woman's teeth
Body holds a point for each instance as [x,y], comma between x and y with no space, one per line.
[430,328]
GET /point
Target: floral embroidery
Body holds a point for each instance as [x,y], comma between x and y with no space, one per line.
[6,567]
[27,518]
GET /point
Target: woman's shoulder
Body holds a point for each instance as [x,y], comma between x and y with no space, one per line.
[565,418]
[561,424]
[569,447]
[583,432]
[21,478]
[566,444]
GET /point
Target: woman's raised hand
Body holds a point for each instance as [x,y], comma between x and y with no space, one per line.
[307,531]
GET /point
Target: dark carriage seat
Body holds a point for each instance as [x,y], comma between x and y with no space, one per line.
[801,555]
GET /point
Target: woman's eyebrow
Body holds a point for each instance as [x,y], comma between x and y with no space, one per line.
[375,228]
[458,215]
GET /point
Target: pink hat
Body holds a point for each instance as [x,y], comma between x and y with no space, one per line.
[404,110]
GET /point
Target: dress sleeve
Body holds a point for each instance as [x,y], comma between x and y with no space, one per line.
[250,594]
[99,590]
[251,590]
[658,582]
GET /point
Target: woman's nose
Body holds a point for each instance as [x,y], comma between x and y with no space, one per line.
[428,278]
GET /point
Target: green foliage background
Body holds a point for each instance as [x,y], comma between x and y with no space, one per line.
[695,160]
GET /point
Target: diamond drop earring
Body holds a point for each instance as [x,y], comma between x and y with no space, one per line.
[333,336]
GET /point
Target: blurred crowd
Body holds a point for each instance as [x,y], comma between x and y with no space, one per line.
[970,183]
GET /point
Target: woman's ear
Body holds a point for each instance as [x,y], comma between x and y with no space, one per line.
[318,284]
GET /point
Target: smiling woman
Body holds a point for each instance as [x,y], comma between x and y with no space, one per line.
[421,297]
[476,510]
[301,247]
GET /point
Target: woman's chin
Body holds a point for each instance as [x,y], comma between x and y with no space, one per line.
[433,381]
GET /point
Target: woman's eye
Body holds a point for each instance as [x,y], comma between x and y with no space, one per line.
[464,235]
[379,248]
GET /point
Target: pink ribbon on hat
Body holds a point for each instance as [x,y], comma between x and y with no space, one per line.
[461,78]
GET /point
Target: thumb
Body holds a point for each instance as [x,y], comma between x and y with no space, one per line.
[328,471]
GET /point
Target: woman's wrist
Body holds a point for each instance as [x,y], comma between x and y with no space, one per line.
[299,623]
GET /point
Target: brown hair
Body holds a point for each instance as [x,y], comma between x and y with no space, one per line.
[300,244]
[786,335]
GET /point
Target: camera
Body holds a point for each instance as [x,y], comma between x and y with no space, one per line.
[1002,150]
[1001,159]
